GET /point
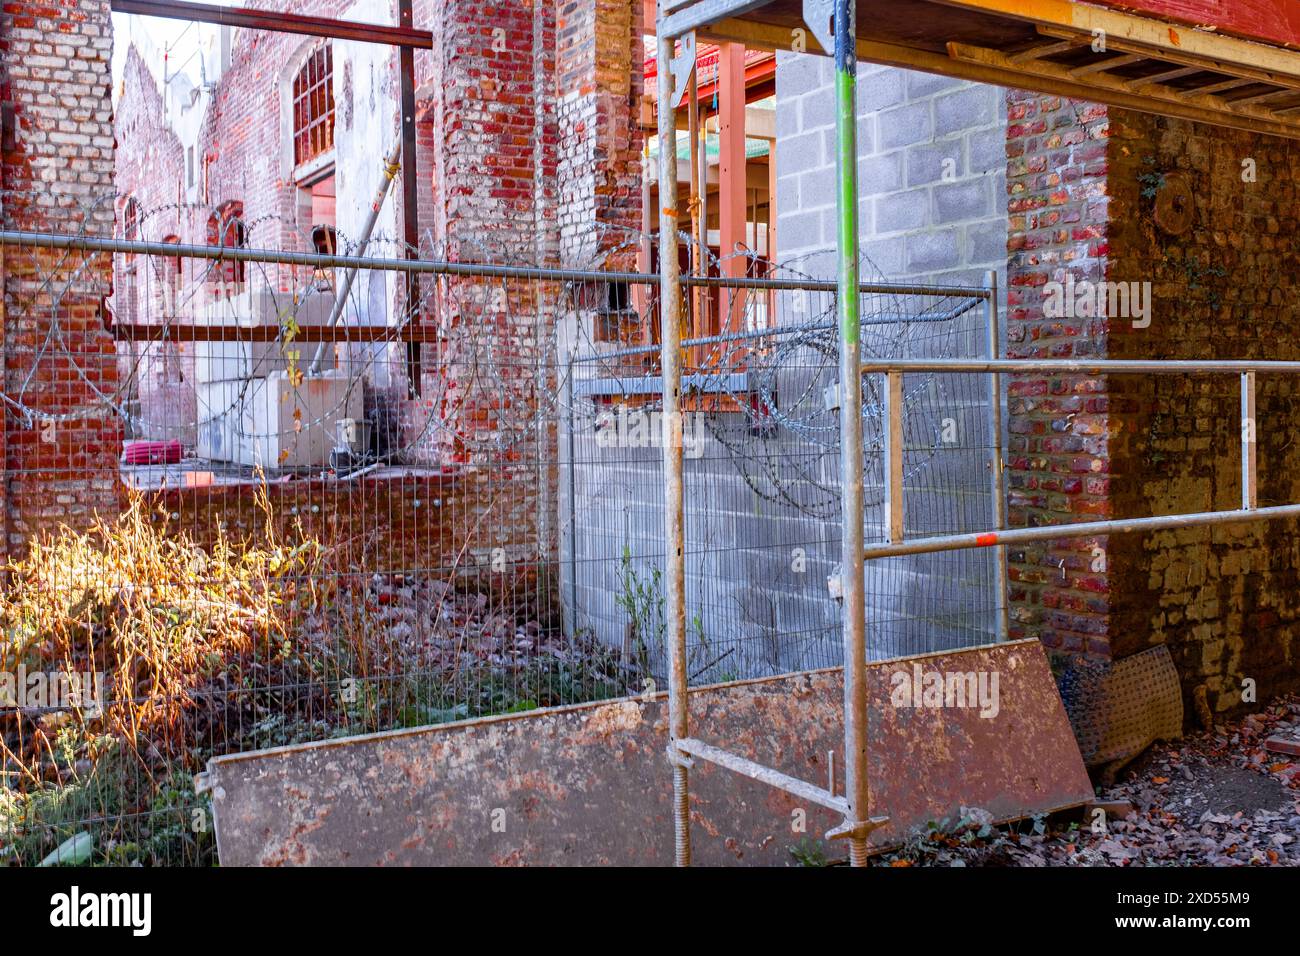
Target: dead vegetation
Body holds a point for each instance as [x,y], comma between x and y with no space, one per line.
[234,647]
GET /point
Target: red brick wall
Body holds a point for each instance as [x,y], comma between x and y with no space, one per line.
[490,113]
[599,76]
[57,174]
[1080,178]
[491,147]
[149,169]
[1058,461]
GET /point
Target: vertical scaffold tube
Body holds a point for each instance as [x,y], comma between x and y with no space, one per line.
[855,645]
[671,365]
[997,473]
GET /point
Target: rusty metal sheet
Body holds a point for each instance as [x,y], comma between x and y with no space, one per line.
[589,785]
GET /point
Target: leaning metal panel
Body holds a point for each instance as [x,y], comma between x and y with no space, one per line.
[585,785]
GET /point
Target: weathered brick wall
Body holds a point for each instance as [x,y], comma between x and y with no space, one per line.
[1058,464]
[56,174]
[149,167]
[599,81]
[1225,599]
[1083,181]
[491,111]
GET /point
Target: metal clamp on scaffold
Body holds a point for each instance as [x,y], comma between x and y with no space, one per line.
[679,758]
[856,829]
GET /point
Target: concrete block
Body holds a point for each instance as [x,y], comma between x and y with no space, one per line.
[954,202]
[929,162]
[974,105]
[932,250]
[901,211]
[905,125]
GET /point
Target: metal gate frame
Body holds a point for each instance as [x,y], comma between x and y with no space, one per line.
[833,25]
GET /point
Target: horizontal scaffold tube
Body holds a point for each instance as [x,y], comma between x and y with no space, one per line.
[1081,529]
[1080,366]
[313,260]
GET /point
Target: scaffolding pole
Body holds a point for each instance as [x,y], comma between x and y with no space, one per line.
[851,515]
[997,467]
[671,368]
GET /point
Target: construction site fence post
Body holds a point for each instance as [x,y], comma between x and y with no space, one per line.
[1249,452]
[997,467]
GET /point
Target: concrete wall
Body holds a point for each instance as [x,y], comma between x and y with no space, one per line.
[921,218]
[758,557]
[758,560]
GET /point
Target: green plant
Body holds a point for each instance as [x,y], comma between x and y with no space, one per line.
[1153,180]
[1196,276]
[643,600]
[808,853]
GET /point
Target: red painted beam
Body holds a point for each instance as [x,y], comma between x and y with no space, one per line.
[1272,21]
[732,179]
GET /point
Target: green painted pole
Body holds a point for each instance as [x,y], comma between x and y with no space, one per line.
[851,465]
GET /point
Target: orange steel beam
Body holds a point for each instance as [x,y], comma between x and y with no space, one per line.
[732,180]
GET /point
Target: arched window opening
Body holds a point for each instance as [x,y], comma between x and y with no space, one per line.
[313,106]
[125,299]
[131,219]
[226,229]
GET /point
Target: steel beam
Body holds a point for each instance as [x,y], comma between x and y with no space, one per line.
[278,22]
[893,415]
[177,332]
[410,194]
[83,243]
[732,208]
[703,12]
[1081,367]
[763,774]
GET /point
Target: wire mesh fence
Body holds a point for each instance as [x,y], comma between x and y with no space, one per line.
[256,497]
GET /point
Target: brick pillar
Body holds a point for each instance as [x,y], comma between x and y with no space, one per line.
[487,106]
[1200,222]
[599,57]
[56,174]
[1059,454]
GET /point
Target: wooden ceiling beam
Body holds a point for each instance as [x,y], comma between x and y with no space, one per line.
[1044,50]
[1256,72]
[1110,63]
[1163,76]
[1221,87]
[993,67]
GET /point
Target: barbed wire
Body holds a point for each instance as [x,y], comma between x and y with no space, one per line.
[511,356]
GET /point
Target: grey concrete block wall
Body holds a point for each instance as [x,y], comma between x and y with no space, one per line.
[931,169]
